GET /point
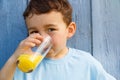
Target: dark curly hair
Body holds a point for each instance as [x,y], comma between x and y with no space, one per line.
[46,6]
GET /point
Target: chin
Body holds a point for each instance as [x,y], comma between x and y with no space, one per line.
[50,54]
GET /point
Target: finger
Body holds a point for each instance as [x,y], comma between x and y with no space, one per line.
[26,44]
[29,44]
[31,41]
[36,41]
[36,36]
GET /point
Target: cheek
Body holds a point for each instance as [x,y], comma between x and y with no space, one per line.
[55,41]
[58,40]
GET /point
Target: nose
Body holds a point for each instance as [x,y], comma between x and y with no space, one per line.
[43,34]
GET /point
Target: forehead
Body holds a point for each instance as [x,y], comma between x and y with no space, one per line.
[42,19]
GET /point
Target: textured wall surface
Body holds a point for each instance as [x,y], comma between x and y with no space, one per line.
[12,27]
[97,32]
[106,31]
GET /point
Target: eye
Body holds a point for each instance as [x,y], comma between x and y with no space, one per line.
[51,29]
[31,32]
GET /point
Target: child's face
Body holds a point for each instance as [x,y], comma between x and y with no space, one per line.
[51,24]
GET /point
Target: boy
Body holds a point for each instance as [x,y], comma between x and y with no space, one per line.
[53,18]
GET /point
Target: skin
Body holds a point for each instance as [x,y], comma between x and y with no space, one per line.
[52,24]
[39,26]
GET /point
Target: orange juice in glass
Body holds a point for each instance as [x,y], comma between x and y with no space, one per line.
[28,62]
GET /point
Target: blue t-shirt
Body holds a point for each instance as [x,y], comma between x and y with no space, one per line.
[76,65]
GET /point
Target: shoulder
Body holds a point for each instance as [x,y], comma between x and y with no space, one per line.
[85,57]
[96,69]
[80,54]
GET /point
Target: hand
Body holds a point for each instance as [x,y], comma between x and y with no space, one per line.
[26,45]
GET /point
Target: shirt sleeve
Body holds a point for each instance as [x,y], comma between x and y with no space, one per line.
[103,75]
[99,73]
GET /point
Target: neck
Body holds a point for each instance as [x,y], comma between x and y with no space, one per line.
[58,55]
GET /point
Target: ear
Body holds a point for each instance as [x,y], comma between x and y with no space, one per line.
[71,29]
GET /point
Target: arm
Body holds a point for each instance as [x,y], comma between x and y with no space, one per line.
[8,70]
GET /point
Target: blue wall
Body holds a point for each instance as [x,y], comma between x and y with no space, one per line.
[97,32]
[12,27]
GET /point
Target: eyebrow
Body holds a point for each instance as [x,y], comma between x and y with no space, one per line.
[48,25]
[31,28]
